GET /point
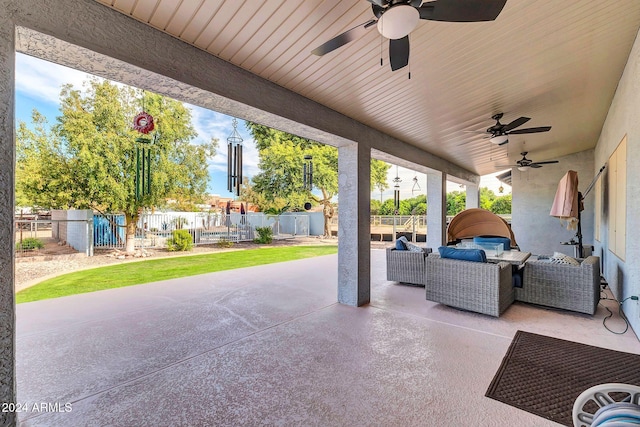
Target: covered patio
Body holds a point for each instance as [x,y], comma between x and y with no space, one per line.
[270,345]
[570,65]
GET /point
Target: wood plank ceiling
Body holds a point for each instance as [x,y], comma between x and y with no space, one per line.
[557,62]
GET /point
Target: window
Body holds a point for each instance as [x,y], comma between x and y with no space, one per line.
[598,209]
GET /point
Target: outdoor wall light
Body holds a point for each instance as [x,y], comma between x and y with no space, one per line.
[398,21]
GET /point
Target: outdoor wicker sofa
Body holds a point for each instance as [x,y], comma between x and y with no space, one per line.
[406,266]
[475,286]
[575,288]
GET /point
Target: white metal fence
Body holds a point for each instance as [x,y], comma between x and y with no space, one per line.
[153,230]
[35,237]
[390,227]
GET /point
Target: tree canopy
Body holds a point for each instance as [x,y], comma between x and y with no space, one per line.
[87,160]
[456,203]
[281,157]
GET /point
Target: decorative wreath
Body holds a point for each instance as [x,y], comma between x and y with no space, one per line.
[143,123]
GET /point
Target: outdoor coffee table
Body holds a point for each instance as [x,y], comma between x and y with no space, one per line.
[512,257]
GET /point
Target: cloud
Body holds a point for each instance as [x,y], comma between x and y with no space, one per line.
[41,80]
[210,124]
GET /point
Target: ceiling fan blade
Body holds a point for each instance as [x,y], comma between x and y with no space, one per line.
[516,123]
[461,10]
[399,53]
[342,39]
[507,166]
[531,130]
[381,3]
[545,163]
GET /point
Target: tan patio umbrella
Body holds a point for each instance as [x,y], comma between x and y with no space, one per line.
[567,203]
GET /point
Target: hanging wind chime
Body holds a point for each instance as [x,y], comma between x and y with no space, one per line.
[234,160]
[396,192]
[307,172]
[307,175]
[143,123]
[416,186]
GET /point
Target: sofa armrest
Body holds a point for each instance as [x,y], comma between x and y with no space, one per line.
[405,266]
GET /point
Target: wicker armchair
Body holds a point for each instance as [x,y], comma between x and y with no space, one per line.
[475,286]
[406,266]
[575,288]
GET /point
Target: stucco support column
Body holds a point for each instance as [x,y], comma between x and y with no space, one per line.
[473,196]
[436,209]
[354,235]
[7,148]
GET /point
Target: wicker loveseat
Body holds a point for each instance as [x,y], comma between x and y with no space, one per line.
[475,286]
[406,266]
[575,288]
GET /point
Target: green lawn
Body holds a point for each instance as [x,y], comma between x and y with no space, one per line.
[135,273]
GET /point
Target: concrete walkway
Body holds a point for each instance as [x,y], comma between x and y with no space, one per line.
[269,345]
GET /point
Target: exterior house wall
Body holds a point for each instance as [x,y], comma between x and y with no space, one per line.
[80,230]
[74,227]
[532,197]
[623,276]
[59,225]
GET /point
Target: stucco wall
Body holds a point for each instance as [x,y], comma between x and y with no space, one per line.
[533,193]
[7,148]
[624,119]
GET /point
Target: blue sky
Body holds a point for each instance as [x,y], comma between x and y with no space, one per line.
[38,86]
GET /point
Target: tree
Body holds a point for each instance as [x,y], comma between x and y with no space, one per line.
[502,205]
[88,159]
[375,207]
[456,202]
[41,165]
[379,171]
[281,157]
[487,197]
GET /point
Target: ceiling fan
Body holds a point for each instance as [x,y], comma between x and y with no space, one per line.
[395,19]
[524,164]
[500,133]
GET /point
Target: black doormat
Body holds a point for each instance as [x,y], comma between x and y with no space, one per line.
[545,375]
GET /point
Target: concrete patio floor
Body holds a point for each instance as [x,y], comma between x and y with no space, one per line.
[269,345]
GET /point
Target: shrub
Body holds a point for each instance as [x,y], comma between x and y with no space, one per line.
[180,240]
[265,235]
[29,244]
[224,243]
[179,222]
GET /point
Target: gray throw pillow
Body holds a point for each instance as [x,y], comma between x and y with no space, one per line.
[560,258]
[413,248]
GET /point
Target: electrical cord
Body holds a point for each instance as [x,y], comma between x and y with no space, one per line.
[620,313]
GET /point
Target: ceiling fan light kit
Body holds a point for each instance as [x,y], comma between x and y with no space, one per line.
[499,139]
[499,132]
[398,21]
[523,168]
